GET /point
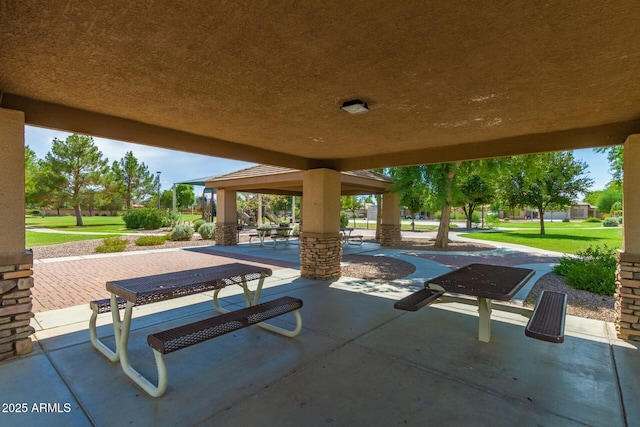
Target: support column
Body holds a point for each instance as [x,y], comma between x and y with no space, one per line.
[628,271]
[16,262]
[320,240]
[390,226]
[227,218]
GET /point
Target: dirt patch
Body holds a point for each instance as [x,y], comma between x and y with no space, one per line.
[375,268]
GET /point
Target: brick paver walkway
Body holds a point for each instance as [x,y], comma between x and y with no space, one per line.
[69,283]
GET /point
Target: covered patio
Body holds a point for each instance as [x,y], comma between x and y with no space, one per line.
[357,362]
[330,88]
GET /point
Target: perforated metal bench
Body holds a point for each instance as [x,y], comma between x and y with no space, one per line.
[175,339]
[547,321]
[419,299]
[355,240]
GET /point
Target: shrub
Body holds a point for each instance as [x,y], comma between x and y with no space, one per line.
[112,244]
[592,219]
[182,232]
[150,240]
[593,270]
[506,219]
[492,221]
[197,223]
[207,230]
[610,222]
[344,220]
[619,218]
[147,218]
[170,219]
[566,220]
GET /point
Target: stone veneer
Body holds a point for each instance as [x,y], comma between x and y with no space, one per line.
[320,255]
[390,235]
[628,296]
[16,282]
[226,234]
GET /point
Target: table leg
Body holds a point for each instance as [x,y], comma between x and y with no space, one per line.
[122,341]
[484,324]
[113,356]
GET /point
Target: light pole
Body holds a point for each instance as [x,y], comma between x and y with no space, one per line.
[158,189]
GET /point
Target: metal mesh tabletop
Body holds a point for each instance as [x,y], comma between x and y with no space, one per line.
[149,289]
[485,281]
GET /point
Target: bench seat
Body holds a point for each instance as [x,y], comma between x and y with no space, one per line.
[187,335]
[418,299]
[104,305]
[547,321]
[355,239]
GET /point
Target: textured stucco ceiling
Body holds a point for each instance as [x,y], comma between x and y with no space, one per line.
[263,81]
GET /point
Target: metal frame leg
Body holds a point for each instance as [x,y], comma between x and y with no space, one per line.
[136,377]
[113,356]
[484,323]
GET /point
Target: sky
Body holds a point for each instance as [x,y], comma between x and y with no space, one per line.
[177,166]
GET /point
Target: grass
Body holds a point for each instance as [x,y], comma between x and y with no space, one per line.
[569,240]
[104,224]
[34,238]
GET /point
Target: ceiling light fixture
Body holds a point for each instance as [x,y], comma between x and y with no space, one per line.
[355,106]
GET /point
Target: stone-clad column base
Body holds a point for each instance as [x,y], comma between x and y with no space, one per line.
[320,255]
[226,233]
[390,235]
[628,296]
[16,282]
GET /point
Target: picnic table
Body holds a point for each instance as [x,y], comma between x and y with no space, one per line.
[125,294]
[275,233]
[484,281]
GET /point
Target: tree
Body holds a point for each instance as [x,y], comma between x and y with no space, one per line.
[607,198]
[544,181]
[615,155]
[78,163]
[134,178]
[184,196]
[441,179]
[351,203]
[409,184]
[476,186]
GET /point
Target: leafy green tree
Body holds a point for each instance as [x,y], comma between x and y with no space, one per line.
[184,196]
[476,186]
[79,163]
[410,185]
[607,198]
[351,203]
[441,179]
[615,155]
[134,178]
[544,181]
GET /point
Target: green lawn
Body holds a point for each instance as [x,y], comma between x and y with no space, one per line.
[548,224]
[34,239]
[110,225]
[566,239]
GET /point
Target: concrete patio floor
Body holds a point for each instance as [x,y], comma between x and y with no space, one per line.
[357,362]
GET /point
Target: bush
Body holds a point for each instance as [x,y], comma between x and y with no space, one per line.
[147,218]
[197,223]
[592,219]
[344,220]
[182,232]
[170,219]
[207,230]
[150,240]
[610,222]
[593,270]
[112,244]
[566,220]
[492,221]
